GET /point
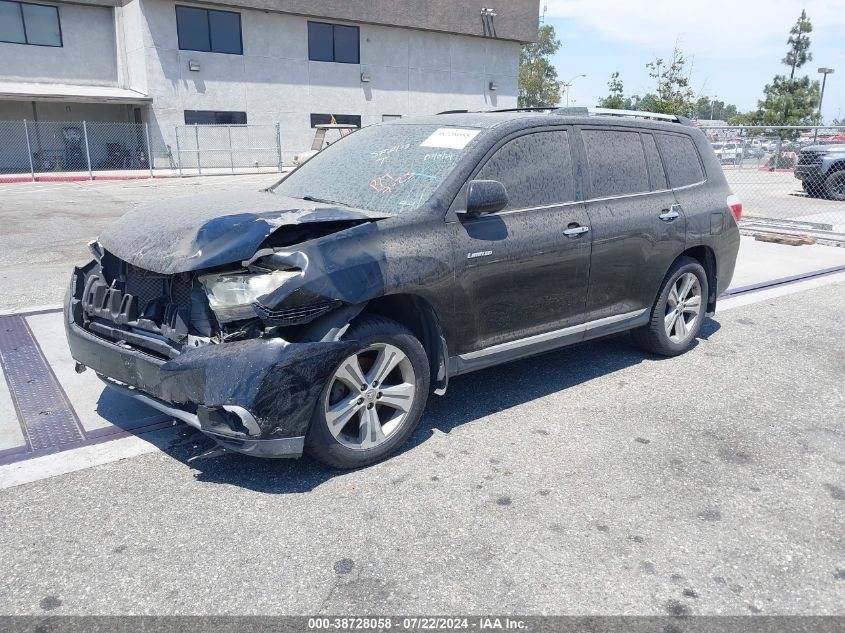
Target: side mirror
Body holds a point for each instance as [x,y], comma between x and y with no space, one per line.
[485,196]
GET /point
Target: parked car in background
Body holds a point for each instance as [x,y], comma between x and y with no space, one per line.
[821,170]
[319,314]
[727,153]
[752,150]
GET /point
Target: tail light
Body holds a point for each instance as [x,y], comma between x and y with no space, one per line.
[736,206]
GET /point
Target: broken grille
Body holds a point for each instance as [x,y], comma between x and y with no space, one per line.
[148,287]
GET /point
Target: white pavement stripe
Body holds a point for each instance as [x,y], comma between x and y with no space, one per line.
[96,406]
[75,459]
[30,309]
[778,291]
[11,434]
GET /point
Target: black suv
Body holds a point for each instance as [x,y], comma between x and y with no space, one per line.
[318,314]
[821,170]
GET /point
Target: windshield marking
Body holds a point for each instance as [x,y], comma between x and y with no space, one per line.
[385,183]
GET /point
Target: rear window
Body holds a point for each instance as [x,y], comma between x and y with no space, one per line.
[683,166]
[615,162]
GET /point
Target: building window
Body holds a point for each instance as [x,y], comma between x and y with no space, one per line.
[212,117]
[333,43]
[209,31]
[27,23]
[326,119]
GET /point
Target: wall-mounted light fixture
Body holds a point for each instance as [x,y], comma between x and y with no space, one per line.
[488,24]
[365,77]
[193,66]
[493,86]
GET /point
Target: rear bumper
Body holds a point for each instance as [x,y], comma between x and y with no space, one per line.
[254,396]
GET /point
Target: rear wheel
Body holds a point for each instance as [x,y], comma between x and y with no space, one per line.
[374,399]
[835,186]
[678,312]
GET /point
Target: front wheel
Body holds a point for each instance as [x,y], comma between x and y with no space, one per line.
[374,399]
[835,186]
[678,312]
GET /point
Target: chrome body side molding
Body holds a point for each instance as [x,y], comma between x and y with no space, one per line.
[539,343]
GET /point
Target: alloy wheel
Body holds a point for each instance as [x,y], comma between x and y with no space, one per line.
[683,308]
[369,396]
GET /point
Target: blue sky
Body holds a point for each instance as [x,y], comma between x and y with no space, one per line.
[735,46]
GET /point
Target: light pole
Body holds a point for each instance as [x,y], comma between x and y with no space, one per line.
[568,85]
[712,105]
[825,72]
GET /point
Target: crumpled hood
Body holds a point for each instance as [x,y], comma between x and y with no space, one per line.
[197,232]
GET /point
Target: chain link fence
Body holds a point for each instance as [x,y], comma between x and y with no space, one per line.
[78,150]
[763,165]
[228,148]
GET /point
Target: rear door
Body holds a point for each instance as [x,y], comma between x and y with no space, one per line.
[637,228]
[523,271]
[686,176]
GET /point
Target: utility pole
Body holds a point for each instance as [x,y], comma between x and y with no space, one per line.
[824,72]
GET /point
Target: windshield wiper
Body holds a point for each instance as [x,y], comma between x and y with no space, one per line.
[323,201]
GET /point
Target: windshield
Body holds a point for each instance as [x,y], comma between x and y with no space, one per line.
[390,168]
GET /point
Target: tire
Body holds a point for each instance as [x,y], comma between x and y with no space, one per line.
[353,427]
[654,337]
[834,186]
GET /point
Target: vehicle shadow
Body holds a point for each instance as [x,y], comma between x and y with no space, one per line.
[468,399]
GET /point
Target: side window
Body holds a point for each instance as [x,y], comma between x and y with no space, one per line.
[680,156]
[615,162]
[536,169]
[656,175]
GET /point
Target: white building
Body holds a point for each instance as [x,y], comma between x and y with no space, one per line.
[293,62]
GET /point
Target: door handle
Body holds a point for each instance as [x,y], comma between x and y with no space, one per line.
[669,215]
[575,231]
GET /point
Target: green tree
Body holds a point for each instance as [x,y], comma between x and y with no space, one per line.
[791,100]
[538,82]
[710,108]
[616,99]
[648,103]
[673,94]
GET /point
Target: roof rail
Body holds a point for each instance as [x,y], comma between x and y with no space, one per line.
[582,111]
[526,109]
[639,114]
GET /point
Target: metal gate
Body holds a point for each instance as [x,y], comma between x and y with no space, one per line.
[211,149]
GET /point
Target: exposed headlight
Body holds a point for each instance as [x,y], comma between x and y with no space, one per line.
[231,295]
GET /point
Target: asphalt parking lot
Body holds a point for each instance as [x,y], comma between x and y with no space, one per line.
[593,480]
[46,226]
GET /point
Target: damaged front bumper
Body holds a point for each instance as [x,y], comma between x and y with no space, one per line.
[253,396]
